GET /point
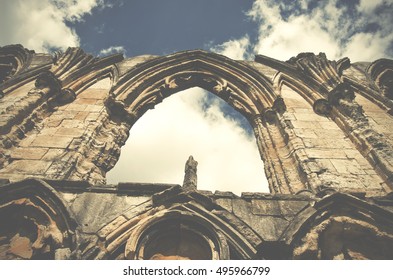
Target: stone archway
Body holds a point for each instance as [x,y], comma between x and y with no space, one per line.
[340,226]
[241,86]
[35,222]
[195,122]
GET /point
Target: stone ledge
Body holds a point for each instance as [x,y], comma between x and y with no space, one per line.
[143,188]
[268,196]
[220,194]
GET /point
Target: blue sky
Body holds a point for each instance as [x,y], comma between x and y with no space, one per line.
[239,29]
[164,27]
[360,29]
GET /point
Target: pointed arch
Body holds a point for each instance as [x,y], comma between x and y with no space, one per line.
[381,72]
[343,221]
[39,223]
[147,84]
[240,85]
[191,217]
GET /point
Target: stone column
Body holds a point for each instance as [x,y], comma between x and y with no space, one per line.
[190,176]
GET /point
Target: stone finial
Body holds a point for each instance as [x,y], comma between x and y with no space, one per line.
[190,176]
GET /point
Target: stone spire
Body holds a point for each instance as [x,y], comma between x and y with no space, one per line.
[190,176]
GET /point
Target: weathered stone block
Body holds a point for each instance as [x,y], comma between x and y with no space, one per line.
[144,205]
[94,94]
[306,124]
[269,227]
[27,141]
[326,164]
[28,153]
[81,116]
[92,117]
[242,209]
[292,207]
[52,141]
[265,207]
[330,133]
[305,133]
[63,254]
[93,108]
[326,153]
[27,167]
[53,154]
[48,131]
[347,166]
[73,123]
[67,131]
[76,107]
[225,203]
[85,101]
[54,123]
[102,233]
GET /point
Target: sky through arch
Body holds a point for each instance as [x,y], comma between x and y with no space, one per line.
[192,122]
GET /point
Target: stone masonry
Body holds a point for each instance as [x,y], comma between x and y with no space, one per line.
[323,129]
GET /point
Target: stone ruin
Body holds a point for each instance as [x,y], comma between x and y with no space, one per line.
[323,129]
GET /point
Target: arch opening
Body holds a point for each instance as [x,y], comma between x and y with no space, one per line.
[195,122]
[177,241]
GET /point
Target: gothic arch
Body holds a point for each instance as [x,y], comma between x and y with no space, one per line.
[306,91]
[13,60]
[146,85]
[381,72]
[241,86]
[321,83]
[19,66]
[39,224]
[178,221]
[168,233]
[340,226]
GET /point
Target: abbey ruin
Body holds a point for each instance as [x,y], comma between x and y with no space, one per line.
[324,130]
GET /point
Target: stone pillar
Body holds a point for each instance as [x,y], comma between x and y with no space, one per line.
[190,176]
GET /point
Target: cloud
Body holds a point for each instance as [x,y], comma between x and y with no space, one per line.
[112,50]
[235,49]
[361,31]
[41,24]
[367,6]
[190,123]
[368,46]
[299,34]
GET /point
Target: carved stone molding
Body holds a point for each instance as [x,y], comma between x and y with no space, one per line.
[332,227]
[381,72]
[341,91]
[38,224]
[279,105]
[322,107]
[48,79]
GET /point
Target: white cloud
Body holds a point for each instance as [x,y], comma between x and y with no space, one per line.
[235,49]
[40,24]
[163,139]
[111,50]
[331,27]
[74,10]
[367,46]
[369,6]
[299,34]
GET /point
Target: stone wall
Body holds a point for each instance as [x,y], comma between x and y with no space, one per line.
[322,128]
